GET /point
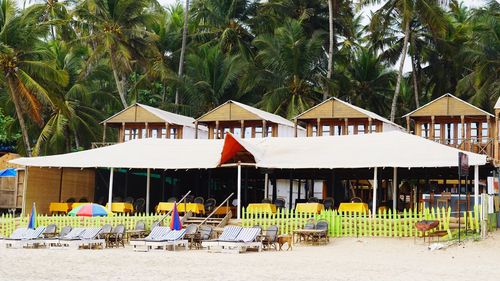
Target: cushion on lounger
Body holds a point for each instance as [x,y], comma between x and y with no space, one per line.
[248,234]
[230,233]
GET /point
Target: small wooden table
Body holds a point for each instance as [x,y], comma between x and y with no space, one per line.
[305,235]
[309,208]
[353,207]
[261,207]
[56,207]
[196,208]
[121,207]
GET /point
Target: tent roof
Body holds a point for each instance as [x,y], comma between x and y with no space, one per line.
[390,149]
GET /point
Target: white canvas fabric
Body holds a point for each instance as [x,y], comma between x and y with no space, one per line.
[389,149]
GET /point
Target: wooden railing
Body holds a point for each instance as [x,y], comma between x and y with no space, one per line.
[477,145]
[226,201]
[102,144]
[170,212]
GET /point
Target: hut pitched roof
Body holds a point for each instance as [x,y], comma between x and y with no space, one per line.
[448,105]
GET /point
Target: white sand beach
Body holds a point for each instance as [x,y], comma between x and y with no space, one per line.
[342,259]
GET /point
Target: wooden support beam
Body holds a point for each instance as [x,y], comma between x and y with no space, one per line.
[319,131]
[295,127]
[216,130]
[432,137]
[167,130]
[242,129]
[264,129]
[122,137]
[196,129]
[370,121]
[346,126]
[408,124]
[104,132]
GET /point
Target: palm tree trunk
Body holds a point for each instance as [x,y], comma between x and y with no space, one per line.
[20,117]
[119,83]
[400,71]
[183,48]
[415,84]
[330,48]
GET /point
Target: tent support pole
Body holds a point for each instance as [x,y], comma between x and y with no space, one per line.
[148,185]
[375,186]
[394,189]
[266,185]
[110,194]
[239,192]
[476,185]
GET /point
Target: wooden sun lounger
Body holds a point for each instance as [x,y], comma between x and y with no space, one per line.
[156,234]
[23,238]
[229,233]
[247,238]
[172,238]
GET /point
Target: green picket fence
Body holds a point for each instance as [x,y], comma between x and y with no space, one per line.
[353,224]
[8,223]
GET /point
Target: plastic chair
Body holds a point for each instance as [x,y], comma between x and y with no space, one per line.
[172,199]
[280,203]
[199,200]
[139,205]
[313,200]
[71,200]
[210,204]
[356,200]
[271,238]
[83,200]
[129,200]
[328,203]
[267,200]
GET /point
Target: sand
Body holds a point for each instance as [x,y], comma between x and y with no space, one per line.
[342,259]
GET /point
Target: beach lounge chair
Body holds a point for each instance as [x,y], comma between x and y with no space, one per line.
[89,237]
[191,233]
[54,241]
[50,231]
[24,238]
[204,234]
[247,238]
[155,234]
[116,237]
[323,235]
[172,238]
[229,233]
[17,234]
[270,239]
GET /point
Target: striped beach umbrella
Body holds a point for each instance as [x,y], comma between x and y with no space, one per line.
[89,210]
[175,221]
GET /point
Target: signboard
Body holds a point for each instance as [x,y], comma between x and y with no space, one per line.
[463,164]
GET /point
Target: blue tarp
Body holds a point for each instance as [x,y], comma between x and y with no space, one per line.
[8,172]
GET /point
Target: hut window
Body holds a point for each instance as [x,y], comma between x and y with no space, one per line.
[258,132]
[459,133]
[131,134]
[163,133]
[350,130]
[269,131]
[173,133]
[437,132]
[449,133]
[337,130]
[314,130]
[154,133]
[361,129]
[237,132]
[474,131]
[424,130]
[374,128]
[144,133]
[484,132]
[248,132]
[325,130]
[225,131]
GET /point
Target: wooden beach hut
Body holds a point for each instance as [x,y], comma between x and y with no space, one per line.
[142,121]
[337,117]
[246,122]
[454,122]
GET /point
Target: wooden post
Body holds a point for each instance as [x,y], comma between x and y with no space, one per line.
[216,130]
[167,130]
[264,129]
[462,121]
[476,186]
[370,121]
[122,137]
[196,129]
[346,124]
[104,132]
[146,126]
[495,137]
[319,131]
[432,128]
[408,123]
[242,129]
[296,133]
[291,192]
[394,189]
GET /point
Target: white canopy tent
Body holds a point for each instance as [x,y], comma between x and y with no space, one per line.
[378,150]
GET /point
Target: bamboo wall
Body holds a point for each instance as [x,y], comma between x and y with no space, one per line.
[46,185]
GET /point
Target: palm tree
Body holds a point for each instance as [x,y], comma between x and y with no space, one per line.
[28,73]
[482,55]
[118,30]
[400,14]
[289,67]
[183,48]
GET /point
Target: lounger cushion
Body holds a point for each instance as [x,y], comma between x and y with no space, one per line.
[230,233]
[248,234]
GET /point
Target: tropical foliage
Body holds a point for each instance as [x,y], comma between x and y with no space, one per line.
[67,65]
